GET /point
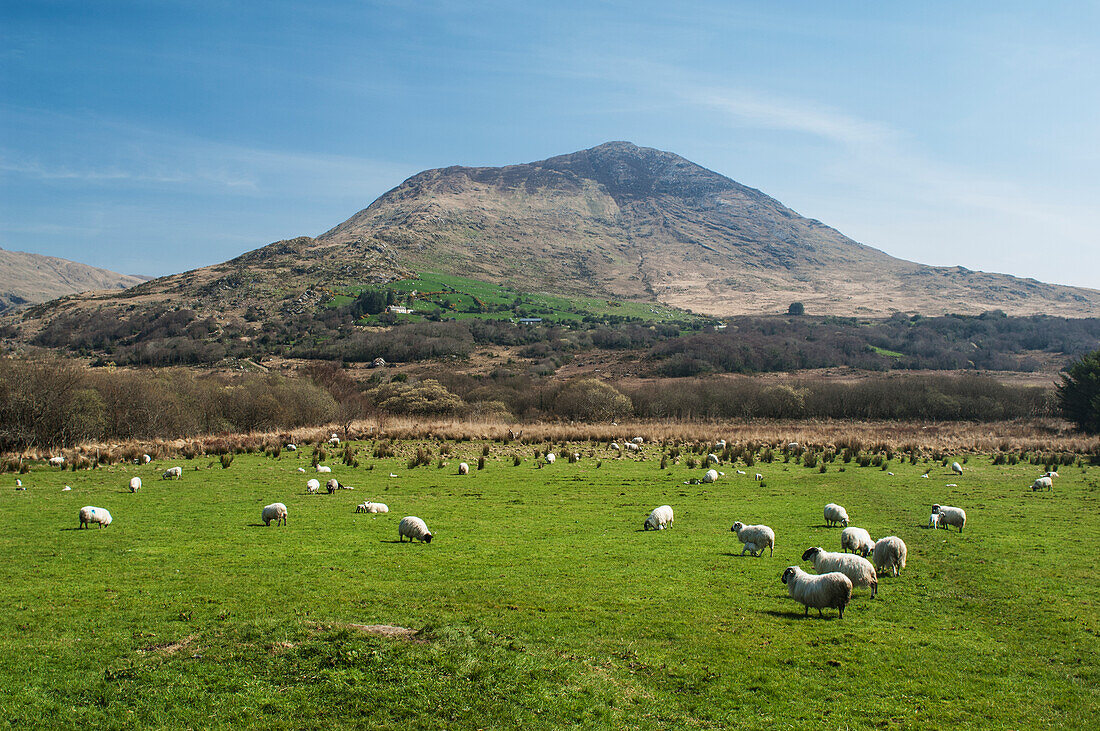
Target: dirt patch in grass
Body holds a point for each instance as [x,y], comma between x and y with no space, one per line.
[170,648]
[389,630]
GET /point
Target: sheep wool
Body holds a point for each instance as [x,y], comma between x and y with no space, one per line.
[413,528]
[659,519]
[956,468]
[711,476]
[835,514]
[890,553]
[463,468]
[90,514]
[820,592]
[312,486]
[274,511]
[856,540]
[174,473]
[859,570]
[332,485]
[135,484]
[57,461]
[550,458]
[323,468]
[757,536]
[1043,483]
[369,507]
[951,516]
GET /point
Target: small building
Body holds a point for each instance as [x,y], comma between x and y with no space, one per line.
[530,320]
[399,310]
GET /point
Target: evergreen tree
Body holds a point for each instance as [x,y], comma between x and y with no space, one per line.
[1079,393]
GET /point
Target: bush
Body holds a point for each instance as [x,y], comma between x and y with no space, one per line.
[590,399]
[1079,393]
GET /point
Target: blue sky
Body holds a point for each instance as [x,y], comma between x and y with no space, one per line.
[155,136]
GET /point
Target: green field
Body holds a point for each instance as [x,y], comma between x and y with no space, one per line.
[463,298]
[541,603]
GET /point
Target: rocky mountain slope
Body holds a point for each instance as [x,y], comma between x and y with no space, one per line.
[32,278]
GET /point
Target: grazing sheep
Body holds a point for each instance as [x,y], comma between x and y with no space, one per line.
[632,447]
[720,444]
[332,485]
[412,527]
[859,570]
[292,447]
[1051,474]
[301,469]
[792,447]
[64,489]
[274,511]
[312,486]
[856,540]
[659,519]
[836,514]
[827,590]
[1043,483]
[616,447]
[759,477]
[463,468]
[323,468]
[934,521]
[757,536]
[710,476]
[57,461]
[638,440]
[712,459]
[741,472]
[146,458]
[956,468]
[173,473]
[951,516]
[550,458]
[369,507]
[135,484]
[18,482]
[89,515]
[890,553]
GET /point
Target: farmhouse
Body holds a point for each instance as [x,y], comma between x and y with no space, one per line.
[530,320]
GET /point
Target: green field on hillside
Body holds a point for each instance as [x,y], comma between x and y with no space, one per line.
[460,298]
[540,603]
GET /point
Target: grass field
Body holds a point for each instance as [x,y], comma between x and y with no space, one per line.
[540,603]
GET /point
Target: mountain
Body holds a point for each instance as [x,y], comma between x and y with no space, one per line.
[616,221]
[32,278]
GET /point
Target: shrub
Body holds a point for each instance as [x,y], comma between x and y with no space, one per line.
[226,460]
[590,399]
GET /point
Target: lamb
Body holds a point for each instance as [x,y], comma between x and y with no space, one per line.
[323,468]
[951,516]
[274,511]
[856,540]
[827,590]
[741,472]
[412,527]
[332,485]
[956,468]
[836,514]
[301,469]
[312,486]
[934,521]
[369,507]
[135,484]
[859,570]
[172,472]
[890,553]
[550,458]
[1043,483]
[463,468]
[90,514]
[712,459]
[64,489]
[710,476]
[57,461]
[659,519]
[757,536]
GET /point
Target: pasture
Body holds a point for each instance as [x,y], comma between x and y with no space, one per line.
[540,602]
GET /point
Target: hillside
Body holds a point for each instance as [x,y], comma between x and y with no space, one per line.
[32,278]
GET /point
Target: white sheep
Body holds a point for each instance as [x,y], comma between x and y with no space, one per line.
[890,553]
[312,486]
[412,528]
[57,461]
[956,468]
[332,485]
[951,516]
[720,444]
[173,473]
[616,447]
[64,489]
[1043,483]
[550,458]
[638,440]
[369,507]
[301,469]
[710,476]
[741,472]
[145,458]
[292,447]
[135,484]
[934,521]
[90,514]
[335,441]
[820,592]
[859,570]
[463,468]
[752,549]
[712,459]
[792,447]
[274,511]
[856,540]
[836,514]
[759,477]
[18,482]
[757,536]
[659,519]
[323,468]
[632,447]
[1051,474]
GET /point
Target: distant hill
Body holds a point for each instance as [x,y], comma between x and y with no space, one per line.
[27,279]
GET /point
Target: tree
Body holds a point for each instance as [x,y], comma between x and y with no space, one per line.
[796,308]
[1079,393]
[589,399]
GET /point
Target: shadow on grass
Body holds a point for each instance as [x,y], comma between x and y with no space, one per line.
[740,555]
[800,615]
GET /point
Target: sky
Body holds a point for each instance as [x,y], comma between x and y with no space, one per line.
[151,137]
